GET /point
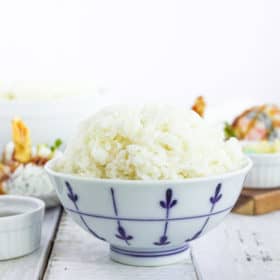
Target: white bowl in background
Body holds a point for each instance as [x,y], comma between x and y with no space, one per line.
[20,225]
[265,172]
[148,223]
[46,119]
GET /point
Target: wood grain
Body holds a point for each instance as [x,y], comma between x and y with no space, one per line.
[77,255]
[241,248]
[32,267]
[258,201]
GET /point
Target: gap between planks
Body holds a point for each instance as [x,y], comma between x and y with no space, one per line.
[44,262]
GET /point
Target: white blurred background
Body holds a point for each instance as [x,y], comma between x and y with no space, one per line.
[148,50]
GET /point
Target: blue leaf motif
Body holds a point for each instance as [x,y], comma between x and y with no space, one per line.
[217,196]
[162,241]
[218,189]
[162,204]
[122,234]
[213,199]
[168,196]
[72,196]
[167,204]
[173,203]
[121,231]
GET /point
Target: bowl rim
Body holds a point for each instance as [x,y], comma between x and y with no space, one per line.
[244,169]
[39,206]
[263,155]
[258,155]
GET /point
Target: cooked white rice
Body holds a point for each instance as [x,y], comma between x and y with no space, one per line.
[29,179]
[149,142]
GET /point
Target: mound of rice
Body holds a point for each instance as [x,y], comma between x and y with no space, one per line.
[149,142]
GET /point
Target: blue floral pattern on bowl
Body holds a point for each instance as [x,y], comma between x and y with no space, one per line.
[166,204]
[146,222]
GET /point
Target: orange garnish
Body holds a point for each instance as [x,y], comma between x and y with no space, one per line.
[22,141]
[199,105]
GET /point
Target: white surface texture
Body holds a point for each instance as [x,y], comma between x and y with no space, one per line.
[228,50]
[242,248]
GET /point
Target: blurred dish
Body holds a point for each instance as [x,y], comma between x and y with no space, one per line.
[259,130]
[266,163]
[265,171]
[22,167]
[256,124]
[51,109]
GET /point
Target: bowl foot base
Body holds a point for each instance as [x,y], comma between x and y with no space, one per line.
[149,257]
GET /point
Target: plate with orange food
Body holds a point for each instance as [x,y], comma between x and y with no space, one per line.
[22,166]
[258,129]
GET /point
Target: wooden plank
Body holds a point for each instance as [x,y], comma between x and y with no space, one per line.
[77,255]
[31,267]
[243,247]
[258,201]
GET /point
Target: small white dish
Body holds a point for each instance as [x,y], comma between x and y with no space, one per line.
[20,225]
[50,199]
[265,172]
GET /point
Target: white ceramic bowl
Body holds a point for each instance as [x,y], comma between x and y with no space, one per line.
[20,225]
[148,222]
[265,172]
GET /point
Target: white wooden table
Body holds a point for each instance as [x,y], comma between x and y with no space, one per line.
[240,248]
